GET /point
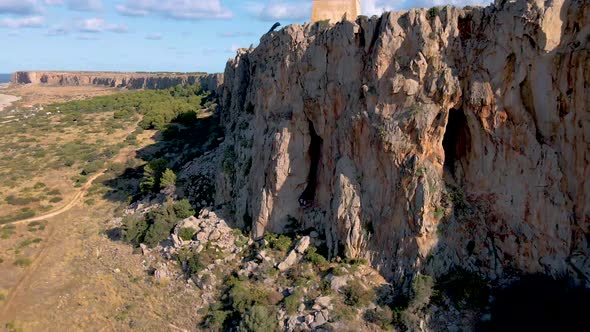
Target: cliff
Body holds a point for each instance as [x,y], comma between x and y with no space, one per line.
[118,80]
[420,140]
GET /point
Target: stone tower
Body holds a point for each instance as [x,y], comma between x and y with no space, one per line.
[334,10]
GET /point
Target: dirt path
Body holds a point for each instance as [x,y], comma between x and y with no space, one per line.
[38,259]
[77,197]
[123,156]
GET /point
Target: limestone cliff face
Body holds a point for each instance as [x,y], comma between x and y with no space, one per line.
[420,140]
[118,80]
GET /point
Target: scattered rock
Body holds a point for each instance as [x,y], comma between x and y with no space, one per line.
[302,245]
[144,249]
[288,261]
[162,273]
[301,308]
[176,241]
[337,282]
[323,301]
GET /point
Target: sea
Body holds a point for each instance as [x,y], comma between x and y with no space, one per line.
[4,78]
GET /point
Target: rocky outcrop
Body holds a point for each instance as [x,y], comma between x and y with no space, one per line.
[420,140]
[210,82]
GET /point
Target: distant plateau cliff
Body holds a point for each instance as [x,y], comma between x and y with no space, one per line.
[118,79]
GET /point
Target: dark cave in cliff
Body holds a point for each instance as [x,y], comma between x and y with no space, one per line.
[315,148]
[456,143]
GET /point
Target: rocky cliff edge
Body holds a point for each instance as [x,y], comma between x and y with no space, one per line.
[420,140]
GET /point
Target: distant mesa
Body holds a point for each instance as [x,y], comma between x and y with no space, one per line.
[137,80]
[335,10]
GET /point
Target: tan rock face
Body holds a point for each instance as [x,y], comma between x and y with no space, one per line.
[118,80]
[420,139]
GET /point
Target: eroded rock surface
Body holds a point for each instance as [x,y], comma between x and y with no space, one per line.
[423,139]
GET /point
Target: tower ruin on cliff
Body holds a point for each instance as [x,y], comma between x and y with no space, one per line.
[335,10]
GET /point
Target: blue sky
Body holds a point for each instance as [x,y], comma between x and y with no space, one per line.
[149,35]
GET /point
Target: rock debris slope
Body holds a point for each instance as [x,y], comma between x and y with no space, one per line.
[420,140]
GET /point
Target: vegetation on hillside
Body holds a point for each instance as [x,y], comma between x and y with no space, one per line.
[158,107]
[77,139]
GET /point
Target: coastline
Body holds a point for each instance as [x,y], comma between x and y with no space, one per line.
[7,100]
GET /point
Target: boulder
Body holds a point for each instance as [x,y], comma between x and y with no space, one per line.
[288,261]
[302,244]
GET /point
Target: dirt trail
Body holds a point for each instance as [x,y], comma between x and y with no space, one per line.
[38,259]
[77,197]
[123,156]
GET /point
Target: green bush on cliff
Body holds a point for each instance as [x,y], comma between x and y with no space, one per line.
[156,225]
[259,319]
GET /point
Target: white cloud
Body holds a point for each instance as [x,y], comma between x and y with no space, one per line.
[20,7]
[177,9]
[98,25]
[295,10]
[154,36]
[280,10]
[26,22]
[84,5]
[377,7]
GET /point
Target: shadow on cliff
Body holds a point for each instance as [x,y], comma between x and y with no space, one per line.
[177,144]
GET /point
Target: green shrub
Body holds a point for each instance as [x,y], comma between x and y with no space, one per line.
[93,167]
[422,290]
[356,295]
[382,317]
[216,320]
[259,319]
[229,161]
[293,301]
[312,256]
[464,289]
[343,312]
[196,262]
[158,231]
[168,179]
[186,233]
[183,209]
[152,174]
[133,229]
[13,200]
[28,242]
[22,262]
[279,242]
[156,225]
[7,231]
[56,199]
[54,192]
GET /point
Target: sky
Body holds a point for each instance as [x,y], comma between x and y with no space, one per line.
[150,35]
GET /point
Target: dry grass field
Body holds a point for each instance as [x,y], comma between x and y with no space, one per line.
[43,94]
[62,272]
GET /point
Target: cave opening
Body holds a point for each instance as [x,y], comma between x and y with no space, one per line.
[315,148]
[456,143]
